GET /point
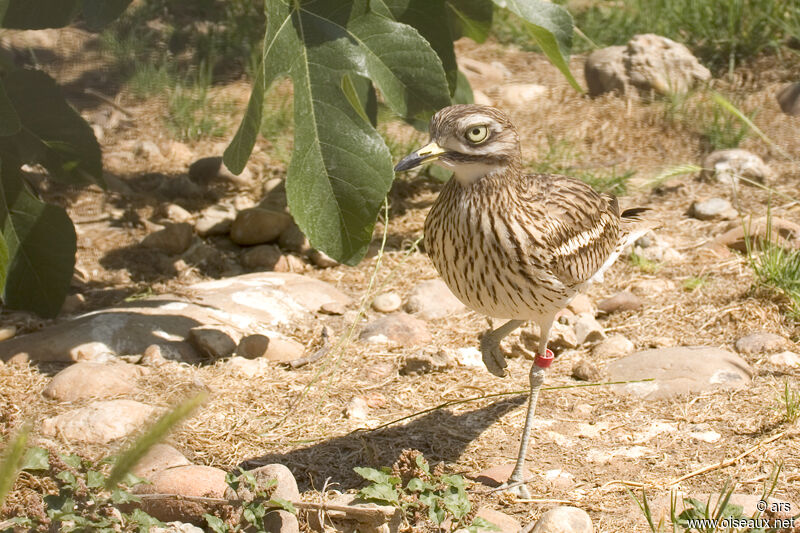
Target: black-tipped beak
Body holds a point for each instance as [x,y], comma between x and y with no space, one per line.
[426,154]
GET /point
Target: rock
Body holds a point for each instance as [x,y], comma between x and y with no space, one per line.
[92,380]
[614,346]
[293,239]
[588,330]
[387,302]
[258,226]
[781,232]
[432,299]
[215,220]
[174,239]
[585,370]
[159,457]
[248,303]
[19,359]
[265,256]
[785,359]
[387,520]
[73,304]
[178,187]
[7,332]
[679,370]
[399,328]
[333,308]
[564,519]
[152,357]
[213,342]
[322,260]
[356,409]
[180,153]
[480,98]
[285,487]
[281,350]
[727,166]
[481,75]
[274,197]
[522,94]
[704,433]
[652,287]
[760,342]
[190,480]
[497,475]
[425,363]
[209,169]
[713,209]
[559,479]
[176,213]
[148,150]
[249,368]
[469,356]
[622,301]
[581,304]
[176,527]
[99,422]
[789,99]
[562,338]
[253,346]
[604,71]
[653,62]
[501,521]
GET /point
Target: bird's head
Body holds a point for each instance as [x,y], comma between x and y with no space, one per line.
[471,140]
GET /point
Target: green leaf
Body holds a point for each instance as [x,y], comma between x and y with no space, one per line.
[52,133]
[453,481]
[9,466]
[416,485]
[9,121]
[36,458]
[436,512]
[216,524]
[71,460]
[41,248]
[155,432]
[457,503]
[145,521]
[39,14]
[470,18]
[94,479]
[422,464]
[380,492]
[99,13]
[286,505]
[3,8]
[363,100]
[479,524]
[119,496]
[551,26]
[463,92]
[371,474]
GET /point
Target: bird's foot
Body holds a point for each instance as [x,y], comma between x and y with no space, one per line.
[493,356]
[517,488]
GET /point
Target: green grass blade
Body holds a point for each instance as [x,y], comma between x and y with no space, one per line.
[11,462]
[732,109]
[151,437]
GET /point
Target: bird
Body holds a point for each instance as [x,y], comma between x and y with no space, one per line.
[514,245]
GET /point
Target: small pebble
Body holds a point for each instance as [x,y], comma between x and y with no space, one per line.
[7,332]
[387,302]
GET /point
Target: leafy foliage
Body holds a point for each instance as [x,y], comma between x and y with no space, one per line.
[338,54]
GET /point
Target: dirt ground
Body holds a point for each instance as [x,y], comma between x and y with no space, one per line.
[295,417]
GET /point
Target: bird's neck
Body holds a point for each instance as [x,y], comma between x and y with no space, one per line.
[469,174]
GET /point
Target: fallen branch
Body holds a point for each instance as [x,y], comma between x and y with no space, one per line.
[319,354]
[728,462]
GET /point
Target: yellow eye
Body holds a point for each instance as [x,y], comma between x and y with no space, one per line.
[477,134]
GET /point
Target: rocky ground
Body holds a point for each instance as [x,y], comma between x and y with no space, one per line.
[189,278]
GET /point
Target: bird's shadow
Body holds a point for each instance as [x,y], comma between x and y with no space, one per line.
[439,435]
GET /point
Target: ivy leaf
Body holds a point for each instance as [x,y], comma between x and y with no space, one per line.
[550,25]
[286,505]
[380,492]
[41,247]
[36,458]
[216,524]
[457,503]
[99,13]
[481,524]
[341,168]
[371,474]
[145,521]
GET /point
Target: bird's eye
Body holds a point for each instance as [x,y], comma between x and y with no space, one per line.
[477,134]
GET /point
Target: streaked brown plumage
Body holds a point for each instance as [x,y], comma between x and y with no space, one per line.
[513,245]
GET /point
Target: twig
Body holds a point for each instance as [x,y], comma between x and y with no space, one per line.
[109,101]
[319,354]
[728,462]
[622,482]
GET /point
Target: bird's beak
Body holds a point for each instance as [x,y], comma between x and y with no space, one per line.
[426,154]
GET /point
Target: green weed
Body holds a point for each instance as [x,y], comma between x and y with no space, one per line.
[791,404]
[692,283]
[256,505]
[722,130]
[778,270]
[645,265]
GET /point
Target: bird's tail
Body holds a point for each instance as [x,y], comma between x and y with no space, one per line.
[633,227]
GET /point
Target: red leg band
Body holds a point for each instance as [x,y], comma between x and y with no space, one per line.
[544,361]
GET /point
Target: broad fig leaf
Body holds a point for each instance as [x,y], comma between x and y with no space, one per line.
[99,13]
[341,169]
[470,18]
[39,14]
[41,248]
[551,27]
[3,8]
[52,133]
[9,121]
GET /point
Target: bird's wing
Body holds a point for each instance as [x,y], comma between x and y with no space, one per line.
[578,226]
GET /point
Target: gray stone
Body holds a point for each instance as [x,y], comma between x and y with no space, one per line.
[760,342]
[215,220]
[712,209]
[285,488]
[432,299]
[213,342]
[152,357]
[679,370]
[99,422]
[562,337]
[265,256]
[274,196]
[258,226]
[293,239]
[159,457]
[728,166]
[564,519]
[622,301]
[253,346]
[585,370]
[653,62]
[333,308]
[387,302]
[179,187]
[399,328]
[92,380]
[208,169]
[190,480]
[176,213]
[614,346]
[148,150]
[785,359]
[425,363]
[588,330]
[604,71]
[789,99]
[248,304]
[173,239]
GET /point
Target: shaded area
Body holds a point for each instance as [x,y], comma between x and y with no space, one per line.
[440,435]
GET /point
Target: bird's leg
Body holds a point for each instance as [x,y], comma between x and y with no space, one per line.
[490,347]
[543,359]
